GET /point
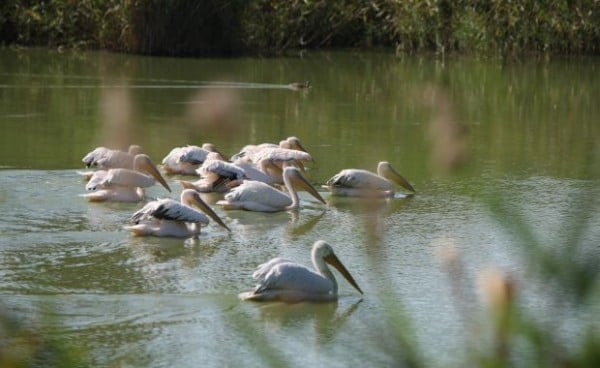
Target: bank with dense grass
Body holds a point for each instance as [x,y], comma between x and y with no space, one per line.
[271,27]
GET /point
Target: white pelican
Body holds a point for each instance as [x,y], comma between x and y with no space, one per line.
[186,160]
[106,158]
[167,217]
[257,196]
[277,154]
[363,183]
[292,143]
[217,175]
[252,172]
[272,160]
[124,185]
[284,280]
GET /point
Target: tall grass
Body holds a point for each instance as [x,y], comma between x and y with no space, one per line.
[193,28]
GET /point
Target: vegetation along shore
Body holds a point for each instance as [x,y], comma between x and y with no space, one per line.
[270,27]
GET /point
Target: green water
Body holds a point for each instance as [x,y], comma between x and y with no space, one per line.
[528,130]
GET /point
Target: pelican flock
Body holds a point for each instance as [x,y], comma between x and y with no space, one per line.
[261,178]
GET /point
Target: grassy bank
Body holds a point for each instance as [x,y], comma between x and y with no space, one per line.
[268,27]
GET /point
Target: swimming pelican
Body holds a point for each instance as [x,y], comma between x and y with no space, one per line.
[124,185]
[257,196]
[167,217]
[217,175]
[186,160]
[272,160]
[292,143]
[269,168]
[106,158]
[252,172]
[363,183]
[284,280]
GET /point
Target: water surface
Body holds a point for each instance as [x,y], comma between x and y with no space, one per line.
[532,133]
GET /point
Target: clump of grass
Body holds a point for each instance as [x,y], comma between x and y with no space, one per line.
[192,28]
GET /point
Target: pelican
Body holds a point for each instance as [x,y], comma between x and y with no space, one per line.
[124,185]
[292,143]
[257,196]
[283,280]
[186,160]
[217,175]
[363,183]
[272,160]
[253,172]
[167,217]
[106,158]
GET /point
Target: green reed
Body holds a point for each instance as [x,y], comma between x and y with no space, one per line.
[195,28]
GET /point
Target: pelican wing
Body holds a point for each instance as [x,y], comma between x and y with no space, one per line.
[116,159]
[168,209]
[263,269]
[279,154]
[222,169]
[359,179]
[128,178]
[257,196]
[244,152]
[291,276]
[254,173]
[193,155]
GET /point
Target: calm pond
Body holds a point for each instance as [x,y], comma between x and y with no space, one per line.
[525,131]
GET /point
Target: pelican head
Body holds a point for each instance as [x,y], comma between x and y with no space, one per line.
[324,251]
[187,184]
[191,197]
[385,169]
[90,158]
[292,143]
[213,155]
[134,149]
[142,162]
[300,181]
[212,148]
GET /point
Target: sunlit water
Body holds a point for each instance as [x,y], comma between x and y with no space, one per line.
[145,302]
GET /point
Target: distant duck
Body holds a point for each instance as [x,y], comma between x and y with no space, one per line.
[297,86]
